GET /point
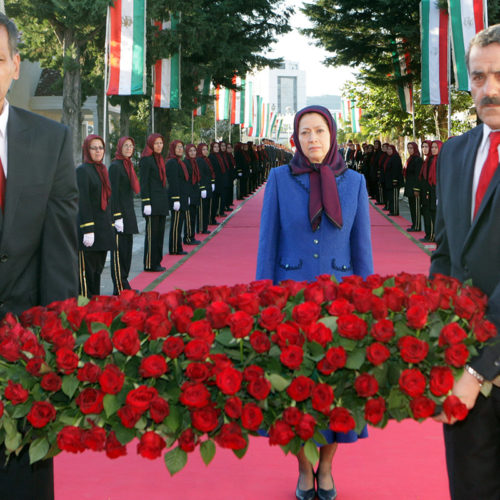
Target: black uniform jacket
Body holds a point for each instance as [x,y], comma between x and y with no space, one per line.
[206,176]
[122,197]
[412,175]
[152,190]
[179,188]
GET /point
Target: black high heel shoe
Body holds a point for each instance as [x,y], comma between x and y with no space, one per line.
[330,494]
[304,494]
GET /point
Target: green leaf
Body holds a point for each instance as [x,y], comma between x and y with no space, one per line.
[21,410]
[319,438]
[124,435]
[70,385]
[396,399]
[241,453]
[348,344]
[330,322]
[316,351]
[173,419]
[225,337]
[355,359]
[82,301]
[13,441]
[207,451]
[175,460]
[311,451]
[278,382]
[111,404]
[38,449]
[9,425]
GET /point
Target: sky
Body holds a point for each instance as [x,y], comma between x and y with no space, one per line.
[320,79]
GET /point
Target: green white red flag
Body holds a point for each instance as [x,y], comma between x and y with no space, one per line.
[401,62]
[202,88]
[222,103]
[127,48]
[238,102]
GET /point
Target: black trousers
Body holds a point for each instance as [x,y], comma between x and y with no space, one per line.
[153,240]
[394,201]
[217,204]
[203,214]
[428,203]
[416,216]
[473,451]
[175,236]
[189,223]
[21,481]
[90,266]
[121,259]
[211,212]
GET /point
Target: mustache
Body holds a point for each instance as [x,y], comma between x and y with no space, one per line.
[490,100]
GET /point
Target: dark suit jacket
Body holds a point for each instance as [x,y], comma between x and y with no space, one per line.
[38,243]
[179,189]
[153,192]
[122,197]
[468,250]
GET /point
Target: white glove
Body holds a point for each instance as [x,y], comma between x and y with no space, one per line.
[189,200]
[240,174]
[147,210]
[177,205]
[88,239]
[203,193]
[119,225]
[213,187]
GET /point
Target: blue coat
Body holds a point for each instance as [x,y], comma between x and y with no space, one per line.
[289,249]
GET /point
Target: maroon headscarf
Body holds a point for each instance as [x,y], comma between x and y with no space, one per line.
[101,169]
[432,175]
[425,164]
[172,155]
[196,171]
[199,154]
[218,156]
[127,163]
[160,162]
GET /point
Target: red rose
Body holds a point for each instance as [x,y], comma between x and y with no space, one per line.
[484,330]
[218,314]
[240,324]
[377,353]
[181,317]
[416,317]
[197,350]
[10,349]
[187,441]
[62,338]
[306,313]
[90,401]
[114,448]
[104,317]
[280,433]
[292,357]
[362,299]
[111,379]
[151,445]
[374,410]
[41,413]
[382,330]
[251,417]
[141,397]
[259,388]
[233,407]
[220,361]
[51,382]
[313,292]
[322,397]
[94,438]
[456,355]
[153,366]
[341,420]
[98,345]
[201,329]
[159,409]
[465,307]
[366,385]
[378,308]
[374,281]
[422,407]
[288,334]
[198,299]
[413,350]
[451,334]
[157,327]
[441,380]
[336,357]
[292,415]
[394,298]
[339,307]
[126,340]
[66,360]
[301,388]
[134,318]
[204,419]
[129,416]
[274,295]
[412,382]
[305,427]
[173,347]
[230,436]
[69,438]
[270,318]
[248,302]
[318,332]
[194,395]
[33,366]
[454,408]
[229,380]
[197,372]
[2,408]
[351,326]
[260,342]
[75,316]
[89,373]
[16,393]
[252,372]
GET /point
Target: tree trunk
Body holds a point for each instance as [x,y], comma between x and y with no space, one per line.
[125,110]
[441,121]
[72,91]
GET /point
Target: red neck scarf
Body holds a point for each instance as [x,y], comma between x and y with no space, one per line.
[425,166]
[101,169]
[196,171]
[160,162]
[172,155]
[199,151]
[127,163]
[432,173]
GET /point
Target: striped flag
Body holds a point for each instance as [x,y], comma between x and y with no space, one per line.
[273,121]
[248,118]
[355,117]
[202,88]
[345,110]
[434,42]
[238,102]
[127,48]
[467,18]
[278,128]
[222,103]
[167,73]
[401,62]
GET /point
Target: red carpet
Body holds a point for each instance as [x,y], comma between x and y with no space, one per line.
[405,461]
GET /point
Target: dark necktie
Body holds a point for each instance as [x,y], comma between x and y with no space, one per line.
[488,171]
[3,183]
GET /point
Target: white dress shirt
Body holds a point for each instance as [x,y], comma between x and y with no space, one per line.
[3,135]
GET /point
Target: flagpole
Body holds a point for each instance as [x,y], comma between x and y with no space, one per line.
[485,10]
[413,114]
[449,76]
[192,127]
[106,76]
[153,74]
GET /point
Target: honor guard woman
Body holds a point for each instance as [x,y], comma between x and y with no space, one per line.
[208,180]
[96,233]
[178,194]
[426,192]
[124,184]
[195,194]
[393,179]
[315,221]
[154,196]
[220,175]
[412,172]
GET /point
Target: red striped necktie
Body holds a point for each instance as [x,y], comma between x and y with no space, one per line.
[488,171]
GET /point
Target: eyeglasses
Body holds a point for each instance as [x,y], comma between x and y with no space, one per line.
[128,146]
[96,148]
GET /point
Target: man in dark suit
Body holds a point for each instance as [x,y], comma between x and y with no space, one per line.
[38,243]
[468,247]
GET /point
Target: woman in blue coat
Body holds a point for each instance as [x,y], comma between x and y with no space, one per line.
[315,221]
